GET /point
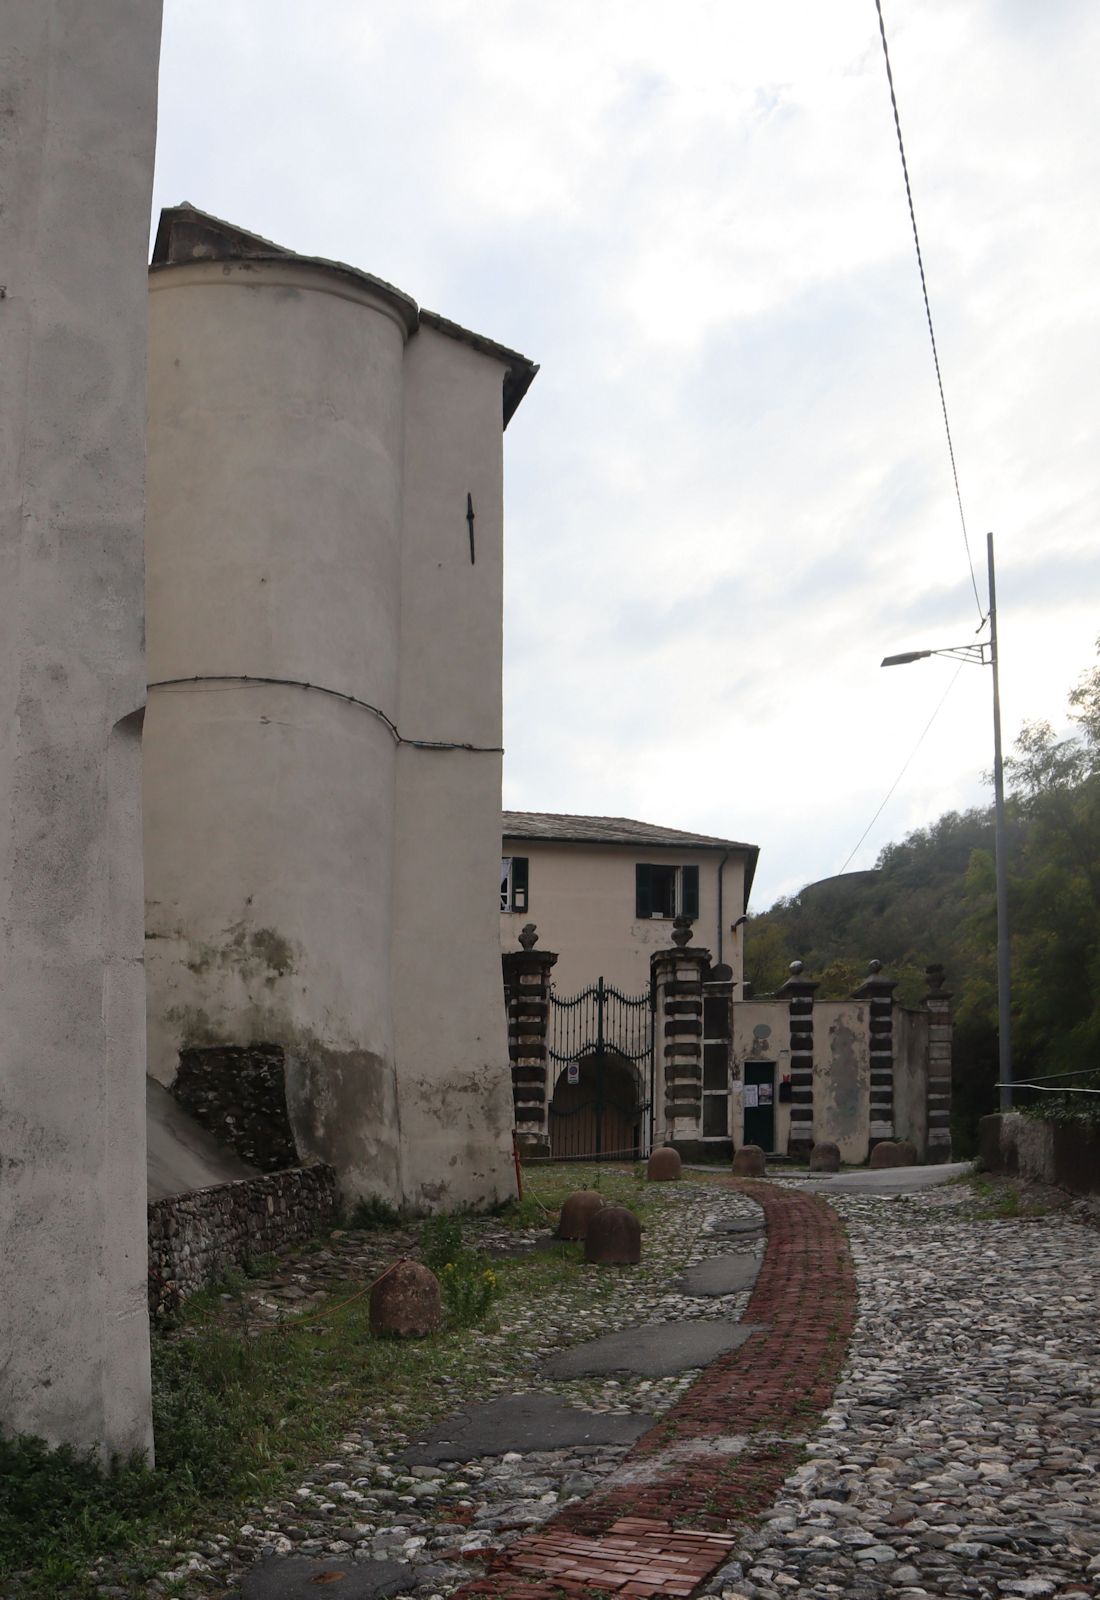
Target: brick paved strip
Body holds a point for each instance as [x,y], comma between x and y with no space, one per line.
[720,1454]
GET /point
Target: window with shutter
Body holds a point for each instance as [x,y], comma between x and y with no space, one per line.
[513,883]
[661,891]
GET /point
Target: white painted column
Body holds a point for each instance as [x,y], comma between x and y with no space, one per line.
[79,78]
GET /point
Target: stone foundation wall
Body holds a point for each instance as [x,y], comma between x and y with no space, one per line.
[195,1239]
[238,1094]
[1060,1153]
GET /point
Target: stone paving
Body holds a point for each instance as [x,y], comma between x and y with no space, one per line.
[957,1458]
[961,1456]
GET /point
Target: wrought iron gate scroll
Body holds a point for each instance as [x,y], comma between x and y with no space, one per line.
[600,1048]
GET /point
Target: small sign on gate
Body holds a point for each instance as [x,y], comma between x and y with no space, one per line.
[573,1072]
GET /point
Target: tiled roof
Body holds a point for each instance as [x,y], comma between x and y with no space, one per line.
[187,234]
[610,830]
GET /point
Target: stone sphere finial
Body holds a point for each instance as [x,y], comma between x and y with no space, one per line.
[796,969]
[529,936]
[874,966]
[934,976]
[681,931]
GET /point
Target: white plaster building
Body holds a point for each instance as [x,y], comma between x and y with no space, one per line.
[323,738]
[78,84]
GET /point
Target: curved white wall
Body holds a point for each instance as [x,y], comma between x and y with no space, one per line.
[273,550]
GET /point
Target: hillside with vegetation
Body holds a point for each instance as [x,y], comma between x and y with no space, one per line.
[931,897]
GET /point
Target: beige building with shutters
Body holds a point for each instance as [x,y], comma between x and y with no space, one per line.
[603,892]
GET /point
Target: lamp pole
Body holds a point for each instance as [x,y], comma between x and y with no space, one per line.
[986,655]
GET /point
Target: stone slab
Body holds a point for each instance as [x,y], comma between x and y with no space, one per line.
[735,1225]
[304,1578]
[656,1350]
[522,1422]
[721,1275]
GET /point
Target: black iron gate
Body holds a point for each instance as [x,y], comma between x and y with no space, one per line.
[600,1047]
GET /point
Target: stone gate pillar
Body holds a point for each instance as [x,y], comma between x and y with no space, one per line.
[879,994]
[527,996]
[677,979]
[938,1004]
[799,995]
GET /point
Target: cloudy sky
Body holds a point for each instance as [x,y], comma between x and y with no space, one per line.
[728,492]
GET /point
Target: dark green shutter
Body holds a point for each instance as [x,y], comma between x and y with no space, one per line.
[690,896]
[643,892]
[519,883]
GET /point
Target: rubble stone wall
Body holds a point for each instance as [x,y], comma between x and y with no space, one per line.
[198,1238]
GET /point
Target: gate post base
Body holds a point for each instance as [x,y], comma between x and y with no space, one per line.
[704,1151]
[532,1148]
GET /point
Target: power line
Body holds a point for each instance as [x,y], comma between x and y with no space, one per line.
[905,768]
[927,307]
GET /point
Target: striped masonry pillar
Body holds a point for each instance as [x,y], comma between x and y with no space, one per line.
[940,1032]
[677,979]
[879,995]
[799,995]
[527,996]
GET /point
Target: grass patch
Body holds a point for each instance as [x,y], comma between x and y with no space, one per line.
[996,1198]
[239,1413]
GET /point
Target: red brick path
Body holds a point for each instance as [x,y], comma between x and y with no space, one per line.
[712,1461]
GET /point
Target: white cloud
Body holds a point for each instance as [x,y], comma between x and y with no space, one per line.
[728,491]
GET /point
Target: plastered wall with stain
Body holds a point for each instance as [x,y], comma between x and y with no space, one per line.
[316,879]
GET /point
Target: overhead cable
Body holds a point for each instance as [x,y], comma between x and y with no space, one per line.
[928,307]
[905,768]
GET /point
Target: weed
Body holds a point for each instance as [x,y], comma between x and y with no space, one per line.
[440,1241]
[370,1213]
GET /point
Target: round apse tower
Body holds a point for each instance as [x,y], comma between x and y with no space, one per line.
[273,615]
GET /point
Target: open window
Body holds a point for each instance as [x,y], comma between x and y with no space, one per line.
[662,891]
[513,883]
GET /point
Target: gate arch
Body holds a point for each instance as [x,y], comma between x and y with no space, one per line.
[601,1045]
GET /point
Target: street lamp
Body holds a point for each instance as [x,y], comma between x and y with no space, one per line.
[985,655]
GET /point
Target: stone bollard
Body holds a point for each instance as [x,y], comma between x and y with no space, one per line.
[825,1157]
[406,1303]
[907,1153]
[749,1162]
[664,1165]
[614,1237]
[577,1211]
[885,1154]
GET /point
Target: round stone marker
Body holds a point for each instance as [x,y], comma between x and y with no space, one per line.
[749,1162]
[406,1303]
[664,1165]
[907,1153]
[614,1237]
[577,1211]
[885,1154]
[825,1157]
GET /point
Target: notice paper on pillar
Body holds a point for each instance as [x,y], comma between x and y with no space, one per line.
[752,1096]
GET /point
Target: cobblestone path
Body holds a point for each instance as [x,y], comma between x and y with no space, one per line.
[666,1519]
[961,1456]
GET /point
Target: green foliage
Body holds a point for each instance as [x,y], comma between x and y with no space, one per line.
[468,1282]
[371,1213]
[440,1241]
[469,1287]
[1074,1109]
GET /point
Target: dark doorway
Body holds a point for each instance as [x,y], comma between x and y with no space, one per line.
[758,1094]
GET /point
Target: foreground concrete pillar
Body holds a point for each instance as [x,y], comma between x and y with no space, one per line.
[79,81]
